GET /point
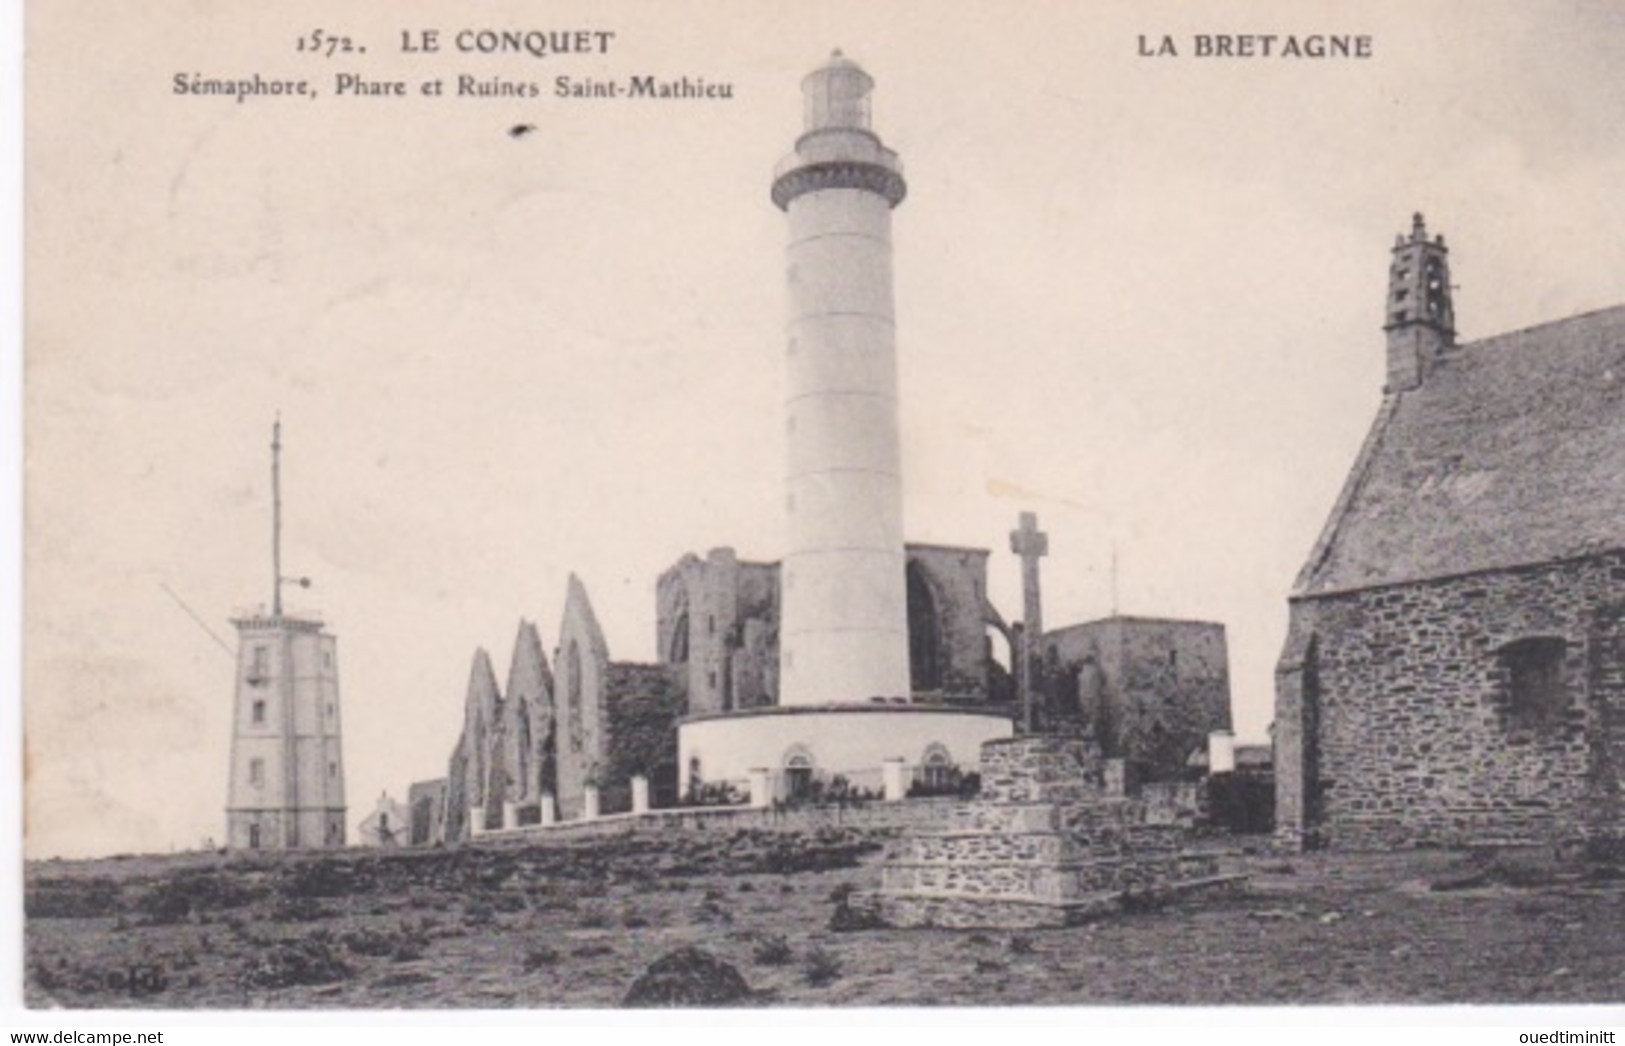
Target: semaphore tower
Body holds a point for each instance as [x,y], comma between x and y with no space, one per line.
[286,785]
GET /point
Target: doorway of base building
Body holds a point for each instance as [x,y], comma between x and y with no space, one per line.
[798,776]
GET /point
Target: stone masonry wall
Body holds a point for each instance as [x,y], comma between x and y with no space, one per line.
[1151,689]
[1394,723]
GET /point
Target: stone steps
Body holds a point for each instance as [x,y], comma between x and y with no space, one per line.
[1061,882]
[954,910]
[985,847]
[1043,845]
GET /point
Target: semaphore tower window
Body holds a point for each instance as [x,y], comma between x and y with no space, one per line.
[1536,696]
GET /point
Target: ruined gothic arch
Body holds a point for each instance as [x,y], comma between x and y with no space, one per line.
[926,648]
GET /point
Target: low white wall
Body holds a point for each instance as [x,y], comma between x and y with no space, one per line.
[848,740]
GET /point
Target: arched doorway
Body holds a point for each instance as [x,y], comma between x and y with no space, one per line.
[936,769]
[799,769]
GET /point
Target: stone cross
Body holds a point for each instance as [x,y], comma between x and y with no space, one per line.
[1031,544]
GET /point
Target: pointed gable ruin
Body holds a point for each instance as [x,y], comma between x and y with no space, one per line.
[469,783]
[528,738]
[582,661]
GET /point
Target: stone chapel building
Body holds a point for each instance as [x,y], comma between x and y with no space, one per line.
[1454,670]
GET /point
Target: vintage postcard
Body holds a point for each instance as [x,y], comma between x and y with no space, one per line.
[543,506]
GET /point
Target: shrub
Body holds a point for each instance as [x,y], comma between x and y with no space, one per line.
[540,958]
[400,945]
[478,912]
[1021,944]
[299,909]
[593,917]
[688,977]
[852,914]
[772,950]
[712,912]
[820,967]
[71,900]
[299,962]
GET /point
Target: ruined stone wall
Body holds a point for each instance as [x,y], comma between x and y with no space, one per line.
[714,617]
[426,807]
[1394,717]
[644,703]
[718,618]
[1151,689]
[957,578]
[908,814]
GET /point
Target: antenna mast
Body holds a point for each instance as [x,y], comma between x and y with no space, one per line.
[1114,577]
[276,518]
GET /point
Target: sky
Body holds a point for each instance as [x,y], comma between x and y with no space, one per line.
[1139,296]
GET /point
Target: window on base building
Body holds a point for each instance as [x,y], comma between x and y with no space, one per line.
[1536,696]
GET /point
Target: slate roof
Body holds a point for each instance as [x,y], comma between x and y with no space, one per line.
[1511,453]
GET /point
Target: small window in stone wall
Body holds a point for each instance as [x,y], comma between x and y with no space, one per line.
[1536,696]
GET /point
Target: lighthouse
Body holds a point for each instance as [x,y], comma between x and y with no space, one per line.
[846,706]
[844,626]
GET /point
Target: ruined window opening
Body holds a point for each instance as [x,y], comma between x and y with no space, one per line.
[679,640]
[572,691]
[258,713]
[1536,696]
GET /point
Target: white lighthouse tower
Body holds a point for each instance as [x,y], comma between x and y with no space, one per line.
[844,625]
[845,707]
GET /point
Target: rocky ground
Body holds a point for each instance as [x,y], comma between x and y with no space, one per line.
[578,924]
